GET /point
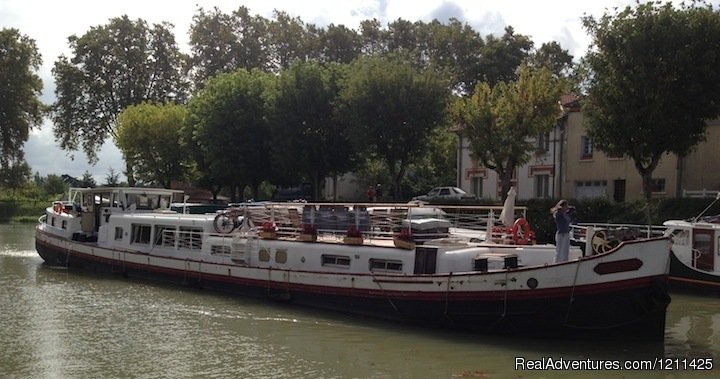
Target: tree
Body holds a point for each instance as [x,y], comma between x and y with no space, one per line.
[227,130]
[288,40]
[112,179]
[499,121]
[372,38]
[87,180]
[54,185]
[501,57]
[653,81]
[20,87]
[554,57]
[304,124]
[223,43]
[437,166]
[391,111]
[339,44]
[149,137]
[455,47]
[15,174]
[113,66]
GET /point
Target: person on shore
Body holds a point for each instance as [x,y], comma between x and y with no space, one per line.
[370,194]
[562,214]
[378,192]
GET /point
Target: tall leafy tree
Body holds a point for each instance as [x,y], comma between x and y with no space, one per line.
[373,38]
[15,174]
[113,66]
[306,136]
[391,110]
[455,47]
[500,121]
[288,41]
[339,44]
[653,81]
[555,58]
[20,88]
[501,57]
[228,129]
[223,43]
[149,137]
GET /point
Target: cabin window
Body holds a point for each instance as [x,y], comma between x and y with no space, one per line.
[118,233]
[164,235]
[190,238]
[52,222]
[140,234]
[220,250]
[335,260]
[385,265]
[264,255]
[64,224]
[281,256]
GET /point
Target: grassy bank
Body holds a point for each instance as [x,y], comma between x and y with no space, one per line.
[21,210]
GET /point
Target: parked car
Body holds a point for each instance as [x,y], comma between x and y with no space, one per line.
[293,193]
[445,193]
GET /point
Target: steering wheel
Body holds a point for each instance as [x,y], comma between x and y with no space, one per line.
[601,243]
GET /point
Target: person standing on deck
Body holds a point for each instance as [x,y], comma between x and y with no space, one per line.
[562,212]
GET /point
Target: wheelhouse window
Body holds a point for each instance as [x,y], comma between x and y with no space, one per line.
[384,265]
[140,234]
[190,238]
[164,235]
[118,233]
[335,260]
[64,224]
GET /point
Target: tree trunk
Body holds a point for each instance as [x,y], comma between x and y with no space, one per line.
[130,174]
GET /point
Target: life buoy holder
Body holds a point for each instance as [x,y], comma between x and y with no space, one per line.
[58,207]
[521,232]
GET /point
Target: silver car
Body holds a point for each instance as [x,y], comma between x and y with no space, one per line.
[446,193]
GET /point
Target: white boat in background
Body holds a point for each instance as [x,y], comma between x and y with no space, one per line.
[369,259]
[695,258]
[695,263]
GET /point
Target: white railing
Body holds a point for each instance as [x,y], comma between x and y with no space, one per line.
[579,232]
[373,220]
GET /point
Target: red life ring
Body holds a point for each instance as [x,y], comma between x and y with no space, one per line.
[524,238]
[58,207]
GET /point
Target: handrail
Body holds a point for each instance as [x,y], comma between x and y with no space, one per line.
[373,220]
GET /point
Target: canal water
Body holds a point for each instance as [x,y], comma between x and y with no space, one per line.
[56,323]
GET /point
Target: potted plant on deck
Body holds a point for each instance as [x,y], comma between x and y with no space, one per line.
[404,240]
[308,233]
[353,236]
[268,231]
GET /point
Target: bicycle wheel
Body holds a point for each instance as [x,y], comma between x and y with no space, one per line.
[224,223]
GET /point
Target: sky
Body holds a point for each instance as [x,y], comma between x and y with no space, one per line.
[50,23]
